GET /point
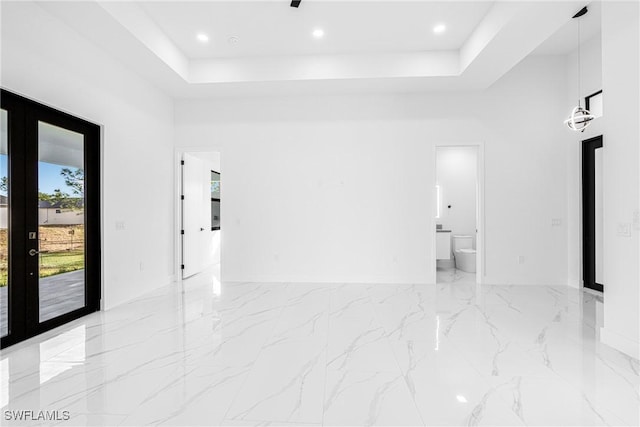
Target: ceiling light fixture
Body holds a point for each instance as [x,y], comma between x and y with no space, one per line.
[202,37]
[580,118]
[439,29]
[318,33]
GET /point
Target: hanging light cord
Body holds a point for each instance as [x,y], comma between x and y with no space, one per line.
[579,64]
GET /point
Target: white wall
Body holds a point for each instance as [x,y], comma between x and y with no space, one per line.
[45,60]
[340,188]
[610,62]
[621,176]
[456,171]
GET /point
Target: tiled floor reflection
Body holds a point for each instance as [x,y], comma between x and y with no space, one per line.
[201,353]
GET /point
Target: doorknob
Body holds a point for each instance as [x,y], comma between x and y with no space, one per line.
[33,252]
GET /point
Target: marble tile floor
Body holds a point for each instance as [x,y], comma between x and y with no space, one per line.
[204,353]
[453,275]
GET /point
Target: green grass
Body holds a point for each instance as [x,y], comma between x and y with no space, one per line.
[53,263]
[60,262]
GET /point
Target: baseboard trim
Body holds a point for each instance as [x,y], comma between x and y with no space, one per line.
[620,343]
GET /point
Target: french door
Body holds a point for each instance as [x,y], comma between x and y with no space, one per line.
[49,218]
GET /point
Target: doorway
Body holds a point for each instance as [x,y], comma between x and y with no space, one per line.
[201,202]
[49,218]
[592,205]
[457,226]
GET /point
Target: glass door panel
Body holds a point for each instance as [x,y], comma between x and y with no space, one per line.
[61,221]
[4,224]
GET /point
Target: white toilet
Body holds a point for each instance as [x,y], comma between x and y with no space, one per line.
[464,254]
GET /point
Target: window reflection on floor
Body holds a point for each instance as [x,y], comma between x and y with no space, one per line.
[62,352]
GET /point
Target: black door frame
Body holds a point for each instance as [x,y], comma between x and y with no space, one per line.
[23,117]
[589,147]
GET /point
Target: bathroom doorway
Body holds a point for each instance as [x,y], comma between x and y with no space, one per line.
[458,217]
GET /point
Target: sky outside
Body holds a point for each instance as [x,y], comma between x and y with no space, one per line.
[48,176]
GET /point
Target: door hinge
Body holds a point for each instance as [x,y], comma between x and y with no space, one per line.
[181,197]
[181,231]
[182,267]
[182,162]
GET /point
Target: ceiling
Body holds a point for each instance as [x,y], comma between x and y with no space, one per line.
[368,45]
[565,40]
[273,28]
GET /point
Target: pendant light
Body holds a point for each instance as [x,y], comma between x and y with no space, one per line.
[580,118]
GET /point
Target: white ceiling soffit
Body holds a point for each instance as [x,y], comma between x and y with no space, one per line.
[565,40]
[500,35]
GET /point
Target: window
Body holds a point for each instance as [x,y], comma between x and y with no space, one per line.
[593,103]
[215,200]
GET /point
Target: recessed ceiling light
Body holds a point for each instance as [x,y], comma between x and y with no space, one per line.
[318,33]
[202,37]
[461,398]
[440,28]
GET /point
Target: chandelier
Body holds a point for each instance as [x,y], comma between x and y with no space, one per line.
[580,118]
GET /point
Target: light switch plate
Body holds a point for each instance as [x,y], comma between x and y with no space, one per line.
[624,229]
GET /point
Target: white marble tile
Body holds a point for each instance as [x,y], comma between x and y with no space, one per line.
[235,423]
[200,394]
[359,343]
[447,389]
[305,315]
[408,314]
[350,300]
[601,381]
[454,353]
[356,398]
[552,401]
[286,384]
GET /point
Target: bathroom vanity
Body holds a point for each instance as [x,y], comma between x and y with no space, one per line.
[443,244]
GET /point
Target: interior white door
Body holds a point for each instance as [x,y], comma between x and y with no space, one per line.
[195,224]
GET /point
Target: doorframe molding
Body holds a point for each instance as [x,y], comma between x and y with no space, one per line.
[588,175]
